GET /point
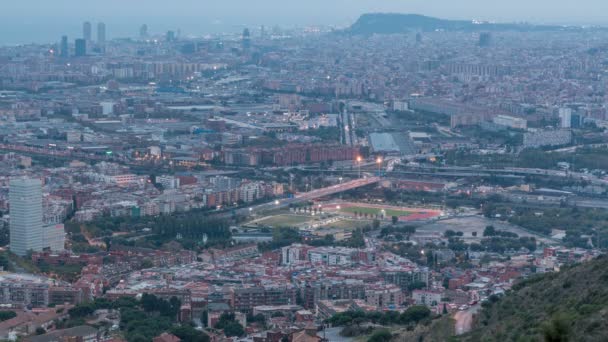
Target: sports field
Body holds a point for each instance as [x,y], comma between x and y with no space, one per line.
[359,210]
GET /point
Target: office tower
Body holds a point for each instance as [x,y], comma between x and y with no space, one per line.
[263,32]
[143,32]
[565,117]
[65,52]
[246,39]
[80,47]
[485,39]
[86,31]
[170,36]
[418,37]
[26,228]
[101,33]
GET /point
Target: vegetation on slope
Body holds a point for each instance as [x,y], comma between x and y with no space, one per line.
[571,305]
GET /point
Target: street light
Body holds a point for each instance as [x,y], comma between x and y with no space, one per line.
[359,160]
[276,202]
[379,162]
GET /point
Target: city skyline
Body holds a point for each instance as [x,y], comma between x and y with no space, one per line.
[20,24]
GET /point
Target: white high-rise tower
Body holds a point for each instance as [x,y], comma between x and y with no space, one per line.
[26,227]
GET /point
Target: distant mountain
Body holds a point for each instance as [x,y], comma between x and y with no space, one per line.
[390,23]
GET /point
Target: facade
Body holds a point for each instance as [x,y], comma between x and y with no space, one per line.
[405,278]
[332,256]
[87,31]
[547,138]
[384,296]
[65,51]
[168,182]
[80,46]
[101,33]
[511,121]
[317,291]
[426,297]
[54,236]
[26,227]
[245,299]
[294,254]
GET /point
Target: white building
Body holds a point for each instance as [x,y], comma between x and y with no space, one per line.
[547,138]
[400,106]
[26,228]
[293,254]
[107,107]
[249,192]
[168,182]
[565,117]
[331,255]
[54,236]
[511,121]
[74,136]
[426,297]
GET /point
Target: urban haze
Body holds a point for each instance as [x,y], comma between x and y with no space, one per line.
[303,171]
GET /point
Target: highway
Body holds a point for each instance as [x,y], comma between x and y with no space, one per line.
[514,171]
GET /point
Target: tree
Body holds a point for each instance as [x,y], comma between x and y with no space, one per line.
[489,231]
[188,334]
[417,285]
[40,331]
[81,310]
[394,220]
[376,224]
[382,335]
[147,263]
[6,315]
[415,314]
[234,329]
[557,329]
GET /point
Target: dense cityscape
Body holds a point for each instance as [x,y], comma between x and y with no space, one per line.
[402,179]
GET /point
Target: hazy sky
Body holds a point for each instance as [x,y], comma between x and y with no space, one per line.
[45,20]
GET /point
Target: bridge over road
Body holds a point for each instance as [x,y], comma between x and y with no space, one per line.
[308,196]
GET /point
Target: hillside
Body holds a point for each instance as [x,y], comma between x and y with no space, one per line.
[390,23]
[571,305]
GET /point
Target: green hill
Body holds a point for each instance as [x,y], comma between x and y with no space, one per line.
[571,305]
[391,23]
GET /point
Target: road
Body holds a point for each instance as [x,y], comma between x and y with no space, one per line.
[464,320]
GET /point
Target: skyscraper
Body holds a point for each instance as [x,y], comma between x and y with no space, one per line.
[80,47]
[26,228]
[143,32]
[86,31]
[485,39]
[101,33]
[170,36]
[65,50]
[246,39]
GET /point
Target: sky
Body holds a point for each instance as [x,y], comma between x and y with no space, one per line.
[24,21]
